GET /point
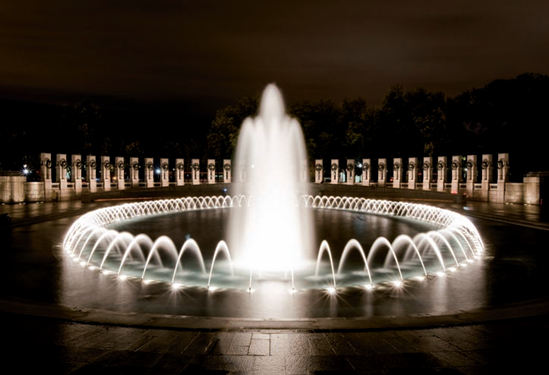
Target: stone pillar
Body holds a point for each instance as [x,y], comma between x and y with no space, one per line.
[119,167]
[381,172]
[211,171]
[503,168]
[456,173]
[179,172]
[134,172]
[164,172]
[106,168]
[227,167]
[442,169]
[503,176]
[91,173]
[350,171]
[471,174]
[486,165]
[397,173]
[334,170]
[319,169]
[149,172]
[366,176]
[61,170]
[427,172]
[304,175]
[76,175]
[412,173]
[195,168]
[46,175]
[241,173]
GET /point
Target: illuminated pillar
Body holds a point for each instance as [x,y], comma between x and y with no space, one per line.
[456,173]
[62,166]
[164,172]
[471,174]
[334,170]
[397,173]
[427,172]
[195,169]
[486,165]
[179,172]
[304,171]
[381,172]
[46,175]
[45,167]
[149,172]
[119,167]
[412,173]
[134,172]
[227,171]
[503,168]
[503,176]
[91,173]
[76,175]
[366,177]
[318,171]
[350,171]
[106,167]
[211,171]
[441,174]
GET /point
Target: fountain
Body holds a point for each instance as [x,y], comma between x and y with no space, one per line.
[269,152]
[270,234]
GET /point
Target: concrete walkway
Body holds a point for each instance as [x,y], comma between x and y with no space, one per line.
[39,337]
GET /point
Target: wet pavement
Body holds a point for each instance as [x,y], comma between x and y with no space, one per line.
[39,334]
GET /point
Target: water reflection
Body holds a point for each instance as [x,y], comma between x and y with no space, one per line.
[271,297]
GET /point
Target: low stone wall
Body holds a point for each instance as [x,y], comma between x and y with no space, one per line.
[12,187]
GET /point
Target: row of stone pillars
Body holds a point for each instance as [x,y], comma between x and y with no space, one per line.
[472,167]
[117,171]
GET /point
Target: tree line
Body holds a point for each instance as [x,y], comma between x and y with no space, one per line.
[505,116]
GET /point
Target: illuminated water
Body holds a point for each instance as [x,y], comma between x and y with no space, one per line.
[271,232]
[264,242]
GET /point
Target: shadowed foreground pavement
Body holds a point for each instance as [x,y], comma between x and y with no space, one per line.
[33,345]
[37,340]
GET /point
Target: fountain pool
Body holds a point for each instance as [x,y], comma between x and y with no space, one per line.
[272,247]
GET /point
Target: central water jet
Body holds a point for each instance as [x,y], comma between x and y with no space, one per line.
[271,231]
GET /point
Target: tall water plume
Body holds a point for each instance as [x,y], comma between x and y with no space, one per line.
[273,232]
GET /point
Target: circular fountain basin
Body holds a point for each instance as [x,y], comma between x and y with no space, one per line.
[198,289]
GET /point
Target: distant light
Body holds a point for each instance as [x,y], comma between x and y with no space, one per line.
[122,277]
[369,286]
[158,171]
[440,274]
[176,286]
[331,290]
[397,283]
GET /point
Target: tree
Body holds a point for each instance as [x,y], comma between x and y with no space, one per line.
[223,135]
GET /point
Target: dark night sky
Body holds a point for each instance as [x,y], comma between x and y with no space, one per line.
[203,55]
